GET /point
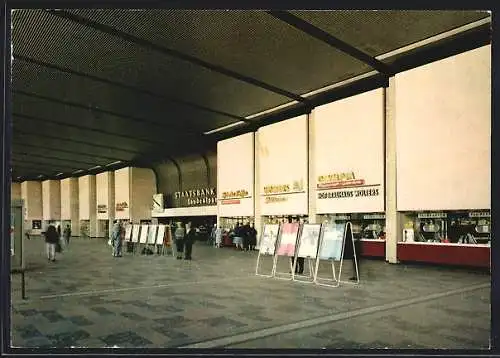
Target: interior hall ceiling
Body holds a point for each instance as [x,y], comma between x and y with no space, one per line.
[94,90]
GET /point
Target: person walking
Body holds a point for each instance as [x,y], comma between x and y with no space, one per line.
[253,237]
[218,237]
[116,239]
[179,235]
[189,241]
[67,235]
[51,240]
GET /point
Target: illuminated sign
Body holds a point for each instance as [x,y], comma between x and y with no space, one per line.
[194,197]
[198,193]
[432,215]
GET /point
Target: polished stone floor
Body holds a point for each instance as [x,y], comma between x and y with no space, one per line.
[87,298]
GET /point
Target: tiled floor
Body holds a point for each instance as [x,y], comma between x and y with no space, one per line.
[90,299]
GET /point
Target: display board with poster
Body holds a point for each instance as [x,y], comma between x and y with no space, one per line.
[128,232]
[152,234]
[144,234]
[288,239]
[309,240]
[135,233]
[268,239]
[332,238]
[160,235]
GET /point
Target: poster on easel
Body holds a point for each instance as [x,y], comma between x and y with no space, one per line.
[309,240]
[332,239]
[128,232]
[288,239]
[349,252]
[152,234]
[144,234]
[268,239]
[135,233]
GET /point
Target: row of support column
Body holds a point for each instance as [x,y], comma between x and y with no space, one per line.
[393,218]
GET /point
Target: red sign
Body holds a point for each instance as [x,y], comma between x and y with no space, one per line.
[230,201]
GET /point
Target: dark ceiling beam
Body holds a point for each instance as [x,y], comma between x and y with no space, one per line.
[94,109]
[36,168]
[172,53]
[41,161]
[71,140]
[340,45]
[36,155]
[100,131]
[59,150]
[42,165]
[125,86]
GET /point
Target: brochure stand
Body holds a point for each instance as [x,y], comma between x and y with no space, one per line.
[135,236]
[330,249]
[307,249]
[268,240]
[287,244]
[164,240]
[349,240]
[143,238]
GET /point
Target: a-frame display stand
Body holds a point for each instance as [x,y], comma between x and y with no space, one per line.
[330,249]
[348,243]
[136,229]
[287,246]
[267,248]
[308,249]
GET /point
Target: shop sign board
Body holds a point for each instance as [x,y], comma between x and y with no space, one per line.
[234,197]
[160,235]
[331,242]
[309,238]
[374,217]
[288,239]
[121,206]
[438,215]
[268,239]
[102,209]
[479,214]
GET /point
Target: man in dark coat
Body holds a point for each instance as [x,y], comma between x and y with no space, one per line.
[51,240]
[189,240]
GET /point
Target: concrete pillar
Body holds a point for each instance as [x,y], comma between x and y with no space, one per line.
[393,219]
[311,169]
[256,190]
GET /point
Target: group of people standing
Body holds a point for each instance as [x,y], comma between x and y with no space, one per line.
[244,236]
[53,240]
[184,236]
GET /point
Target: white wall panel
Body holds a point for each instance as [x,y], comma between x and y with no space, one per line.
[15,191]
[235,174]
[143,187]
[282,150]
[122,193]
[348,137]
[443,128]
[66,199]
[83,197]
[105,195]
[31,193]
